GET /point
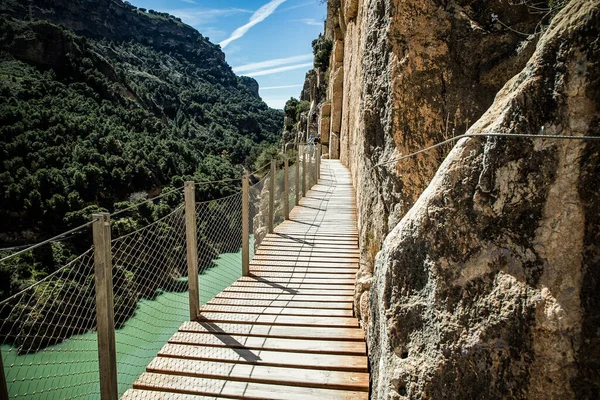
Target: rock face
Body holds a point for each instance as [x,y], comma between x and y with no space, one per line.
[405,74]
[251,84]
[489,286]
[485,287]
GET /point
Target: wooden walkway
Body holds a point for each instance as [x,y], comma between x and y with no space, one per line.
[287,331]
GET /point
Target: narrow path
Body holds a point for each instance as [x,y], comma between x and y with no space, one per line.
[287,331]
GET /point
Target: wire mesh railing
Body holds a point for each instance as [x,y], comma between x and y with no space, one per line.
[47,335]
[281,196]
[292,171]
[258,212]
[128,295]
[219,235]
[149,279]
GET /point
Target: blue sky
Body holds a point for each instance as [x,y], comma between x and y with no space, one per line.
[269,40]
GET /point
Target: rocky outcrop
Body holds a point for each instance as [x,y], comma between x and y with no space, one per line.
[324,125]
[488,287]
[336,93]
[480,290]
[410,74]
[251,84]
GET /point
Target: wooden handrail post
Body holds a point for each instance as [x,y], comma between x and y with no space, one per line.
[304,173]
[319,162]
[245,227]
[286,190]
[192,249]
[297,188]
[3,386]
[271,198]
[315,166]
[105,313]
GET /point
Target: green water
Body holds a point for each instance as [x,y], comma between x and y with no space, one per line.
[70,369]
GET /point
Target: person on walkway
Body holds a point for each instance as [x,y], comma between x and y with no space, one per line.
[317,142]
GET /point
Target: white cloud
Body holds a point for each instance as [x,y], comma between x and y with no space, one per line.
[189,1]
[311,21]
[280,87]
[260,15]
[278,70]
[299,6]
[199,17]
[272,63]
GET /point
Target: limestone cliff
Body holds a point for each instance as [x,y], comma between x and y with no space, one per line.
[406,74]
[487,287]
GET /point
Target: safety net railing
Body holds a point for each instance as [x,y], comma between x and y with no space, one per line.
[150,292]
[258,199]
[90,325]
[219,237]
[49,348]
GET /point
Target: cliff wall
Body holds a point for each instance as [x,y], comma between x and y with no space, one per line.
[485,288]
[404,75]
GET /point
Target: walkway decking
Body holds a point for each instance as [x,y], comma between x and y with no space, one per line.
[287,331]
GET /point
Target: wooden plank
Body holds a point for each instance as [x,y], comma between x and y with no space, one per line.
[278,290]
[306,252]
[348,267]
[266,357]
[291,320]
[265,310]
[310,332]
[285,296]
[243,342]
[136,394]
[290,245]
[311,242]
[304,275]
[303,278]
[255,269]
[286,284]
[327,236]
[302,233]
[282,303]
[239,390]
[322,378]
[302,258]
[280,244]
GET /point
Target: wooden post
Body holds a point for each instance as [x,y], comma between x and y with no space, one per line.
[105,317]
[286,189]
[271,198]
[3,386]
[304,173]
[192,249]
[245,227]
[314,166]
[297,188]
[319,162]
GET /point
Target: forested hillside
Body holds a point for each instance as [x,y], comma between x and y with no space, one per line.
[100,100]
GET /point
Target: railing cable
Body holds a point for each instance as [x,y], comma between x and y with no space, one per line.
[491,134]
[53,239]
